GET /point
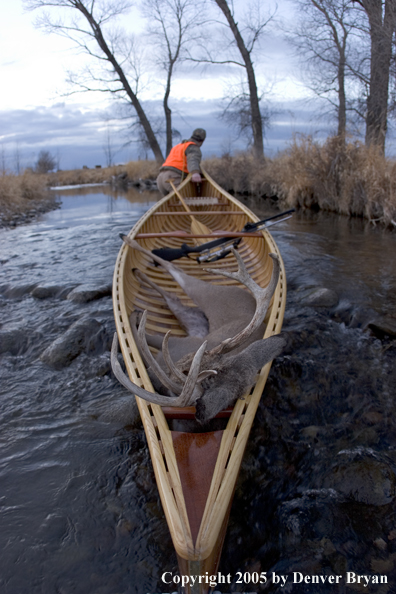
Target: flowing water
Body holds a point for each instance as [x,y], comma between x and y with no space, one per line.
[79,510]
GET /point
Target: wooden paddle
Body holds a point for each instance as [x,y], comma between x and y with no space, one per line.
[197,228]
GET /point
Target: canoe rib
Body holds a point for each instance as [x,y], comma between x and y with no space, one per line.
[198,550]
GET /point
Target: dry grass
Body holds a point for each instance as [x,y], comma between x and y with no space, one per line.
[21,194]
[241,173]
[134,170]
[142,170]
[349,179]
[75,177]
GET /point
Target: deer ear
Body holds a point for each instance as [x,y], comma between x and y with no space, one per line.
[264,351]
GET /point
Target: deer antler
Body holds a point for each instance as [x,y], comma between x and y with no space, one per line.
[168,359]
[262,297]
[186,398]
[175,370]
[166,381]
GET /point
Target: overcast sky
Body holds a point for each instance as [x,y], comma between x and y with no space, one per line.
[36,114]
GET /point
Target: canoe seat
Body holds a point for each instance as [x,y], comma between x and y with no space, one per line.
[197,200]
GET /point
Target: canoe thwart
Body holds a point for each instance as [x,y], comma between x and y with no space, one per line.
[198,212]
[185,235]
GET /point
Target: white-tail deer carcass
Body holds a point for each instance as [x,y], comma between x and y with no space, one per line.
[218,360]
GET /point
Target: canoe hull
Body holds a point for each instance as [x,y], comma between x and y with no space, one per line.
[196,504]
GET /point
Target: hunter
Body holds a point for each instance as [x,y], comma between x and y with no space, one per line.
[183,159]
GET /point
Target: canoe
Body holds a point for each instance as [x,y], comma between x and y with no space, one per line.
[196,473]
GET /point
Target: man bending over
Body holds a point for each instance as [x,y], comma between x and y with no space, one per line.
[183,159]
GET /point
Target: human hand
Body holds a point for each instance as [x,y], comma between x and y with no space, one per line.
[196,178]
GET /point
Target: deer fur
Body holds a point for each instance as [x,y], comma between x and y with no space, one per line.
[224,338]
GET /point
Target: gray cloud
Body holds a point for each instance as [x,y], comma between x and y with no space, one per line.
[78,135]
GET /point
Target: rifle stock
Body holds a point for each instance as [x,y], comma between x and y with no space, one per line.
[171,254]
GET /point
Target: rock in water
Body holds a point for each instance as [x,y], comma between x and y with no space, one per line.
[363,478]
[320,297]
[89,292]
[73,342]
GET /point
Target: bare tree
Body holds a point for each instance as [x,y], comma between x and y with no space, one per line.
[108,147]
[381,16]
[324,40]
[173,26]
[108,143]
[17,159]
[243,105]
[245,48]
[115,51]
[45,162]
[3,160]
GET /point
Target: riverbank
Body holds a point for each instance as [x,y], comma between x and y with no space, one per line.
[346,178]
[349,179]
[23,198]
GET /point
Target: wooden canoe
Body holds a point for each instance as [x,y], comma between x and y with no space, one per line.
[196,473]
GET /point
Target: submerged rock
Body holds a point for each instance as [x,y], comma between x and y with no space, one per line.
[74,341]
[360,476]
[50,291]
[319,297]
[123,410]
[89,292]
[12,341]
[384,326]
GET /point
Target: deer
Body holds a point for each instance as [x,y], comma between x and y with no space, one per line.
[218,361]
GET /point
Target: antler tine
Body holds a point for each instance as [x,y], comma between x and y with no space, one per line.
[159,372]
[187,395]
[242,275]
[152,397]
[168,359]
[262,297]
[172,367]
[206,373]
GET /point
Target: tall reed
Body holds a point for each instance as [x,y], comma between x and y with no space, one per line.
[344,177]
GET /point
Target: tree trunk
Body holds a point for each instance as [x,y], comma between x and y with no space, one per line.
[257,124]
[151,138]
[341,97]
[382,27]
[168,112]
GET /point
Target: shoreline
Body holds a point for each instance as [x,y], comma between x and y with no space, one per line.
[10,220]
[350,179]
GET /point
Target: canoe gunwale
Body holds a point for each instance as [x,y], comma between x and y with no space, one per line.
[158,434]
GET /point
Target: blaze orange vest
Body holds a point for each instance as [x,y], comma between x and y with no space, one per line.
[177,157]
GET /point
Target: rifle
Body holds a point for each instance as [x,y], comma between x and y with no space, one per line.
[208,251]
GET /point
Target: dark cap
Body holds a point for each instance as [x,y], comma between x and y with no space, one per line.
[199,134]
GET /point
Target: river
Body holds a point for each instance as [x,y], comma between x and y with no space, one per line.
[79,511]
